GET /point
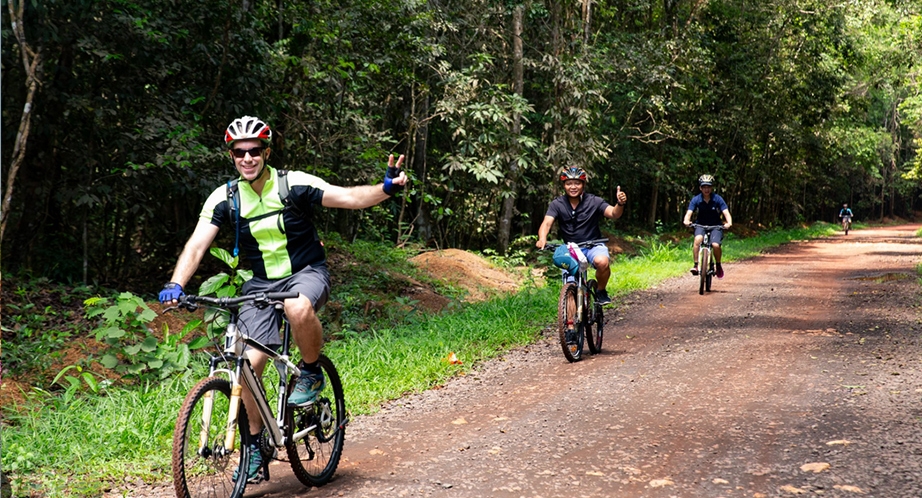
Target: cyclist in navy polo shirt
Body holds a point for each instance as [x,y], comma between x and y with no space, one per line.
[578,214]
[709,206]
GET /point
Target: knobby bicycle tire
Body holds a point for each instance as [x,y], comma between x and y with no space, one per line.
[594,322]
[704,256]
[205,468]
[315,457]
[570,329]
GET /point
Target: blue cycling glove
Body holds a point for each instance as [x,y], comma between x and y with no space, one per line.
[171,291]
[391,188]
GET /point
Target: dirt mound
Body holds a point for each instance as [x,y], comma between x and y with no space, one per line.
[481,279]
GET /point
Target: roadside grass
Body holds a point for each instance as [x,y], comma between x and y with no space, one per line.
[84,445]
[387,364]
[661,260]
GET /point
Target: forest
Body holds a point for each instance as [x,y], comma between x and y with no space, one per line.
[114,114]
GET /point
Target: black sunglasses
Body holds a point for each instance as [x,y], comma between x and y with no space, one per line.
[241,153]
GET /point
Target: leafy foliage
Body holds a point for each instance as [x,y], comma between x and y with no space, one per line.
[796,106]
[133,350]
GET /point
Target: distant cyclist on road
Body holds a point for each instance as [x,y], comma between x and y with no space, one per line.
[578,214]
[281,242]
[709,206]
[845,214]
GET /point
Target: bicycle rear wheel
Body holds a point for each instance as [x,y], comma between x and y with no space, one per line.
[570,328]
[316,432]
[594,320]
[202,465]
[704,256]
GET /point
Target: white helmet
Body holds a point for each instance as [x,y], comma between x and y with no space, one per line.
[247,128]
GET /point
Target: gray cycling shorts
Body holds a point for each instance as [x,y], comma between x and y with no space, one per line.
[263,325]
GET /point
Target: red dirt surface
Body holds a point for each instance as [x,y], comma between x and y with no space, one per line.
[800,374]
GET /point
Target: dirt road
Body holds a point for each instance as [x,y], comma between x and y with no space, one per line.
[799,374]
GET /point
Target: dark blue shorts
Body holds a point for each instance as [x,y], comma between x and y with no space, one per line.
[717,234]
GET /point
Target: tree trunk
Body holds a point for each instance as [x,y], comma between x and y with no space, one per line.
[651,219]
[505,224]
[32,62]
[423,218]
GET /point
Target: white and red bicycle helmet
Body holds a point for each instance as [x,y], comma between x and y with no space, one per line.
[247,128]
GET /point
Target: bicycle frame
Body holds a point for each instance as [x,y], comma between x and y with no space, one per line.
[706,261]
[234,352]
[234,344]
[581,280]
[311,433]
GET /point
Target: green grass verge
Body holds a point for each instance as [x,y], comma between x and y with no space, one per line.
[80,446]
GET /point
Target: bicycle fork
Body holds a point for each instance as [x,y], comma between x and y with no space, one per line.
[230,432]
[232,414]
[580,300]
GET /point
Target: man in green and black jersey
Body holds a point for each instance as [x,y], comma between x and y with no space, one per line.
[277,235]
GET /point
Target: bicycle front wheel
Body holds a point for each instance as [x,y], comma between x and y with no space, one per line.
[202,465]
[593,313]
[316,432]
[704,256]
[569,326]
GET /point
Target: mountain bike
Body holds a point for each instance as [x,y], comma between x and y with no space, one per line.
[846,223]
[578,310]
[212,441]
[707,264]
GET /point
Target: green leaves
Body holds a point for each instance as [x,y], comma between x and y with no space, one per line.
[223,284]
[133,349]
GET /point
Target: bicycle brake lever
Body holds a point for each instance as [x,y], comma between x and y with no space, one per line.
[182,304]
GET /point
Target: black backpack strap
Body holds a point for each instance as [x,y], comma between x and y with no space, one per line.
[283,187]
[284,194]
[233,211]
[287,203]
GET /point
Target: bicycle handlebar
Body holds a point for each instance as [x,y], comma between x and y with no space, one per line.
[706,227]
[552,245]
[260,300]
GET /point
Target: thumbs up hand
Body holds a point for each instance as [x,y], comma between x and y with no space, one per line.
[621,196]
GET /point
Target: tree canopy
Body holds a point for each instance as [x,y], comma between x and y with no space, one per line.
[795,106]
